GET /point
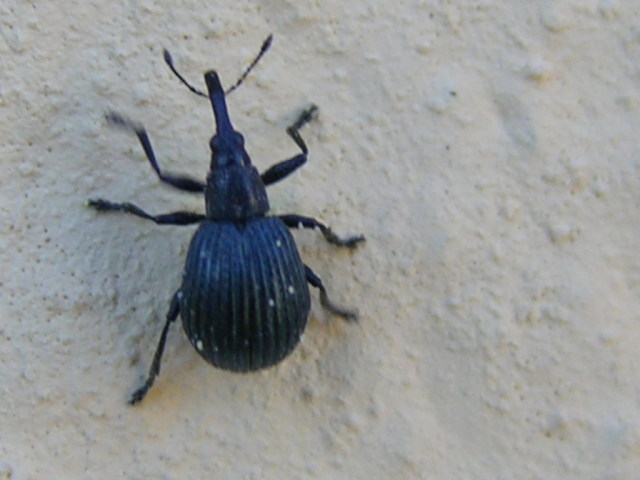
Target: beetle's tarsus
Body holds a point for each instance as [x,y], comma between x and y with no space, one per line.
[307,115]
[332,238]
[294,129]
[99,204]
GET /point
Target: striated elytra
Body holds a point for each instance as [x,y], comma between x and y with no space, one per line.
[244,298]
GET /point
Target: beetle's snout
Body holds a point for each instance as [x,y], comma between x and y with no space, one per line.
[219,104]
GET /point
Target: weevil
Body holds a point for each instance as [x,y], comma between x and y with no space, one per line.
[244,298]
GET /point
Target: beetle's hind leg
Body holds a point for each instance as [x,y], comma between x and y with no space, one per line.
[315,281]
[172,314]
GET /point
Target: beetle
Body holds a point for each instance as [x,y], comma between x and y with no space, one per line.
[244,298]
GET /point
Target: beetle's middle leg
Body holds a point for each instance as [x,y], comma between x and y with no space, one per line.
[173,218]
[172,314]
[298,221]
[181,182]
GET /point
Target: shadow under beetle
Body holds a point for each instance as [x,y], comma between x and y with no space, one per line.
[244,299]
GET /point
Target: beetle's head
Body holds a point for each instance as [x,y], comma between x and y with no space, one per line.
[227,145]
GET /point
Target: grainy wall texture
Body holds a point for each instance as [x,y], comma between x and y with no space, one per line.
[489,151]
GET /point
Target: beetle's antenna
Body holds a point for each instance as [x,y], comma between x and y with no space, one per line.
[169,61]
[263,49]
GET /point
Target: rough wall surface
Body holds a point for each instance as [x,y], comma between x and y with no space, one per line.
[488,150]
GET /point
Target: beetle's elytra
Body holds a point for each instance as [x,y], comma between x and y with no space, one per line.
[260,280]
[244,298]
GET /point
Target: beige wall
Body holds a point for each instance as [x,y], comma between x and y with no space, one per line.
[487,149]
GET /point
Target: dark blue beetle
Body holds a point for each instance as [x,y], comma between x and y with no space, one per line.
[244,299]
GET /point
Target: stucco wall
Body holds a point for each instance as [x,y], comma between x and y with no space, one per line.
[487,149]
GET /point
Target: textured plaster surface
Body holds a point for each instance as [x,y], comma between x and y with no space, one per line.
[487,149]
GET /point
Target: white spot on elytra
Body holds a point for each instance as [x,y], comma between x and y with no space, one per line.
[272,303]
[291,290]
[199,345]
[278,243]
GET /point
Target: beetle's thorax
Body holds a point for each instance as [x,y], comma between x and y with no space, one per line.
[235,192]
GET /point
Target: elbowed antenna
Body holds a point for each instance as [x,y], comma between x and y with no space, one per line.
[219,104]
[216,92]
[263,49]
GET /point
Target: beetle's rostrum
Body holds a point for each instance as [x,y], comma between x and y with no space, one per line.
[244,298]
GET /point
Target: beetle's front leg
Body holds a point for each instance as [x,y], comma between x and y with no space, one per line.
[294,129]
[181,182]
[298,221]
[280,170]
[174,218]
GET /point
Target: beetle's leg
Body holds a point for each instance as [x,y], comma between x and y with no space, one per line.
[315,281]
[181,182]
[280,170]
[294,129]
[174,218]
[172,314]
[298,221]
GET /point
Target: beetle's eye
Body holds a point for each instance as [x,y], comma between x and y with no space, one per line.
[213,144]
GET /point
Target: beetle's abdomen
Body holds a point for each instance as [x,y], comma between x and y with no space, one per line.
[245,299]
